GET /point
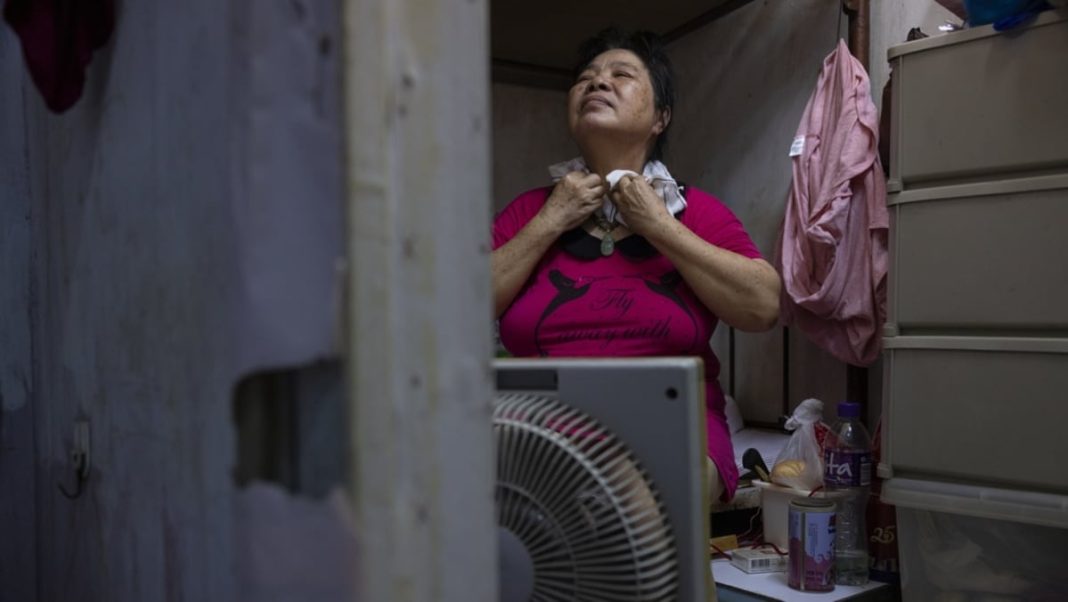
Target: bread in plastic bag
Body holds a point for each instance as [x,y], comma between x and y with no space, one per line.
[800,463]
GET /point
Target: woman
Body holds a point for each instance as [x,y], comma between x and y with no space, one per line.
[643,267]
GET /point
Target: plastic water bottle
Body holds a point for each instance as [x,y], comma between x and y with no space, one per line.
[847,476]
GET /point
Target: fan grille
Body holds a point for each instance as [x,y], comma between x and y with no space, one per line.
[576,497]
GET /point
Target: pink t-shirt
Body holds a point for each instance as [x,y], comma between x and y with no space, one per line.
[632,303]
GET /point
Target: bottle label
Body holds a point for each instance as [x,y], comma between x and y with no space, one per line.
[847,468]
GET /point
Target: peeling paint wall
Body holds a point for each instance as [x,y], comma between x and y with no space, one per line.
[130,237]
[184,221]
[17,546]
[287,210]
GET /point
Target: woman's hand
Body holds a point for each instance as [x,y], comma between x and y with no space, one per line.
[743,292]
[639,204]
[575,197]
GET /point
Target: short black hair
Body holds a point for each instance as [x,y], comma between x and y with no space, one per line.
[649,47]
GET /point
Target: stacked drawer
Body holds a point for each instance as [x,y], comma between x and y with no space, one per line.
[976,361]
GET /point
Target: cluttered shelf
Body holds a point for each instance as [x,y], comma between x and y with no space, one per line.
[752,535]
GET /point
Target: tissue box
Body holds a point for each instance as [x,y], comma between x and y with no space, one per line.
[758,560]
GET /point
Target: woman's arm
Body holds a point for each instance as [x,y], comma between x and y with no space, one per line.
[573,199]
[512,263]
[743,292]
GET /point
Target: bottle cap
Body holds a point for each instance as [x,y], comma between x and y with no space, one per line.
[849,409]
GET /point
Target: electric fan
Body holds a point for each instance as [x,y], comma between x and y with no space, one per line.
[600,494]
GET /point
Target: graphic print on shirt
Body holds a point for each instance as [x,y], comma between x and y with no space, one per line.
[565,291]
[598,310]
[668,287]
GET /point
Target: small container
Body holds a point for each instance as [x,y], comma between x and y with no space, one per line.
[811,564]
[775,509]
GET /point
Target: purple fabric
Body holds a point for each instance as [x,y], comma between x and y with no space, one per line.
[58,39]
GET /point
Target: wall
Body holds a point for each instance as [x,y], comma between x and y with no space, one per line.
[126,193]
[174,231]
[529,134]
[17,547]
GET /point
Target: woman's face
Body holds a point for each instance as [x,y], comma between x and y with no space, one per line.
[614,97]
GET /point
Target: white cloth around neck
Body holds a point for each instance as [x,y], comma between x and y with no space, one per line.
[614,177]
[655,172]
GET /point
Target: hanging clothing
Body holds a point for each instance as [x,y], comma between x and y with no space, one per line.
[832,252]
[58,39]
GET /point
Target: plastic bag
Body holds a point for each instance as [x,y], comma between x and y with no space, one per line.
[800,463]
[1004,14]
[956,557]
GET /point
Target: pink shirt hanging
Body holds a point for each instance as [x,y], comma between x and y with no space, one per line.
[833,253]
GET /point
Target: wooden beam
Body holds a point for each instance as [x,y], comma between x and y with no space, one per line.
[418,329]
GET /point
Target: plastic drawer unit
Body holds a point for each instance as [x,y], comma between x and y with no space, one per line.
[976,409]
[988,255]
[961,542]
[977,102]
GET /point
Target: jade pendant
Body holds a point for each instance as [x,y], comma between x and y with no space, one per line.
[607,245]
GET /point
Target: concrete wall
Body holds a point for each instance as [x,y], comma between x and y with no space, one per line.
[174,231]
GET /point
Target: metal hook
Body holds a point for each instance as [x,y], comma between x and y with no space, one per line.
[77,489]
[79,456]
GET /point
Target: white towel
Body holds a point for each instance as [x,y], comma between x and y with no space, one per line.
[655,172]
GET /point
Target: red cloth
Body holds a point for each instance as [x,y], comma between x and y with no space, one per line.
[882,524]
[58,39]
[619,306]
[833,248]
